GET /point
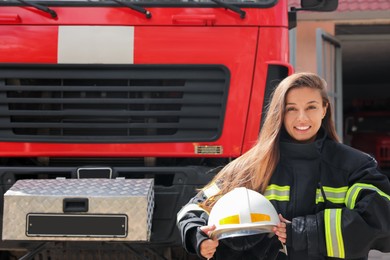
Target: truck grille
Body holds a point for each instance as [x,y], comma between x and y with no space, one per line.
[102,103]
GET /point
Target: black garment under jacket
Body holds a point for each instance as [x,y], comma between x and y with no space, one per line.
[334,191]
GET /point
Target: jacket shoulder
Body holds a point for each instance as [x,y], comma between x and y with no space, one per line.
[345,157]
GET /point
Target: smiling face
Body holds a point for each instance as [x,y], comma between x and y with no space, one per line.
[304,111]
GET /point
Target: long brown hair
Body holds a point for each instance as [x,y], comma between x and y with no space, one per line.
[254,168]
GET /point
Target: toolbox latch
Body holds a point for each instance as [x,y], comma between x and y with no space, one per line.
[75,205]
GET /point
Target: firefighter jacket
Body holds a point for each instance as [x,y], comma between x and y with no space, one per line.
[337,200]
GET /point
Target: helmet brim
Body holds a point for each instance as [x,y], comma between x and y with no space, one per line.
[236,230]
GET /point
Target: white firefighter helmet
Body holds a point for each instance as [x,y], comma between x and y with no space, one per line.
[242,212]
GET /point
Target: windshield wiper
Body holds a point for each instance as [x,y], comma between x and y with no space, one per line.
[134,7]
[230,7]
[40,7]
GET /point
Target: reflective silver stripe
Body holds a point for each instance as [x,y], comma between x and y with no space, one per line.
[353,192]
[276,192]
[211,190]
[333,235]
[208,192]
[334,195]
[188,208]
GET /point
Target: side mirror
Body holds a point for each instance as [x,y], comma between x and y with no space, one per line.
[319,5]
[311,5]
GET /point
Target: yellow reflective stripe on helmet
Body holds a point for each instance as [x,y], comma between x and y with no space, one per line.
[235,219]
[258,217]
[354,190]
[333,235]
[334,195]
[276,192]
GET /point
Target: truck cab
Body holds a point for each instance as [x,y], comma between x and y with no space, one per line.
[369,131]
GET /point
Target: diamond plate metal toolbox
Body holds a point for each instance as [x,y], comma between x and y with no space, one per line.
[79,209]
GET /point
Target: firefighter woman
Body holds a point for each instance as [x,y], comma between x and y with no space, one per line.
[333,201]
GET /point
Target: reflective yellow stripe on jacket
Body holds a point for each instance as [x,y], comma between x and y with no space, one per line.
[334,195]
[354,190]
[333,217]
[333,235]
[276,192]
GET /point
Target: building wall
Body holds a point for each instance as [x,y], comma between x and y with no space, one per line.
[306,43]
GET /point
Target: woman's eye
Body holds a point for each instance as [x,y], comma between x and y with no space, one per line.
[290,109]
[312,107]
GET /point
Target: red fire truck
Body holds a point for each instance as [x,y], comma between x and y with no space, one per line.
[163,89]
[369,131]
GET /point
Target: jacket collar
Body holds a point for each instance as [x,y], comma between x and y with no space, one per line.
[293,150]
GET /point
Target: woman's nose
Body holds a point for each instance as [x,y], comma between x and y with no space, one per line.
[302,115]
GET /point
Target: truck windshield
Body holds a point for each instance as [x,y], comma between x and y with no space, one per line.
[254,3]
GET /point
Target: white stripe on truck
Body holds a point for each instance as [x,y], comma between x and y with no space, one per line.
[96,44]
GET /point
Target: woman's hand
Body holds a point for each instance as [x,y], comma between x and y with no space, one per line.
[280,229]
[208,246]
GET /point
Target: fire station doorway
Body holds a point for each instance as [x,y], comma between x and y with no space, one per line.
[328,52]
[366,88]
